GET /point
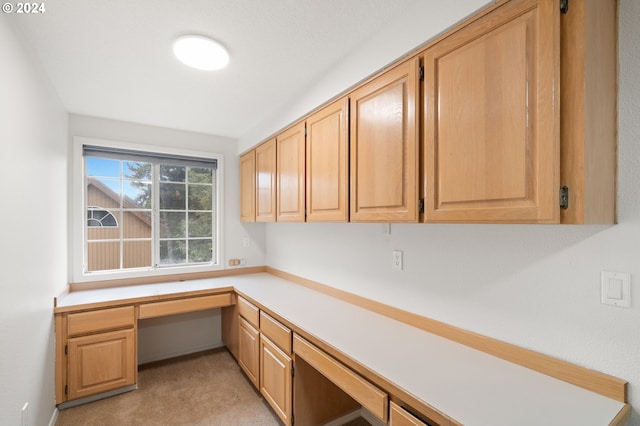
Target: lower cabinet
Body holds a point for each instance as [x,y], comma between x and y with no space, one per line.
[96,349]
[264,354]
[275,378]
[249,351]
[100,363]
[95,352]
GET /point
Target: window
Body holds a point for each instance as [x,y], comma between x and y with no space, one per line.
[148,212]
[97,216]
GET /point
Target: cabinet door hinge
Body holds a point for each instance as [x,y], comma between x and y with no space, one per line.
[66,349]
[564,6]
[421,205]
[293,371]
[564,197]
[421,72]
[66,389]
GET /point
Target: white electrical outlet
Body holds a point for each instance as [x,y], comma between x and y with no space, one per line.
[397,260]
[246,242]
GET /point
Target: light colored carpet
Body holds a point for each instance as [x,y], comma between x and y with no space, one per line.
[207,388]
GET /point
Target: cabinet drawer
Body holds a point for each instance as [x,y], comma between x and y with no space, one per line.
[276,332]
[369,396]
[400,417]
[249,311]
[170,307]
[103,319]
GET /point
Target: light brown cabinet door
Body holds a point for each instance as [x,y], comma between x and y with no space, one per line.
[100,363]
[275,379]
[248,187]
[291,174]
[491,110]
[327,164]
[384,147]
[266,182]
[249,351]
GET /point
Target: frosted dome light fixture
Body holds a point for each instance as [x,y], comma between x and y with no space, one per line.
[200,52]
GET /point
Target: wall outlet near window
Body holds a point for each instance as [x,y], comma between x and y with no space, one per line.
[397,260]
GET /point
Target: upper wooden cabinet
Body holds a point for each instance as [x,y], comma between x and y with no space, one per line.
[515,122]
[327,164]
[248,187]
[290,172]
[588,109]
[266,182]
[384,147]
[491,130]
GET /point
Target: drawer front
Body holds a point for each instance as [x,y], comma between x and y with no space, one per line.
[170,307]
[400,417]
[100,320]
[276,332]
[249,311]
[369,396]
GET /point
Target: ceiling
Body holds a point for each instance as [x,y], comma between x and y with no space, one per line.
[113,58]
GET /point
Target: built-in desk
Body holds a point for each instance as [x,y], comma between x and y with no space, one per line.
[431,375]
[96,332]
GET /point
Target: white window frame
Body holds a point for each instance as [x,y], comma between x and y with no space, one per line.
[79,215]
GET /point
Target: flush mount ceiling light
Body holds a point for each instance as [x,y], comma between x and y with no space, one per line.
[200,52]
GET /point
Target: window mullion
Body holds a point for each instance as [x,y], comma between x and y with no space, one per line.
[121,214]
[155,206]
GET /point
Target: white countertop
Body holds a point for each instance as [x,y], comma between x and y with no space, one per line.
[468,385]
[133,292]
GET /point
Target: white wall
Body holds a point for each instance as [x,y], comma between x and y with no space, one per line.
[534,286]
[175,335]
[411,29]
[161,338]
[33,260]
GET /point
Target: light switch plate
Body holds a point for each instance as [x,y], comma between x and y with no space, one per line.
[616,289]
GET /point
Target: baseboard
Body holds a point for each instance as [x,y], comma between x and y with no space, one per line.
[371,418]
[92,398]
[54,417]
[344,419]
